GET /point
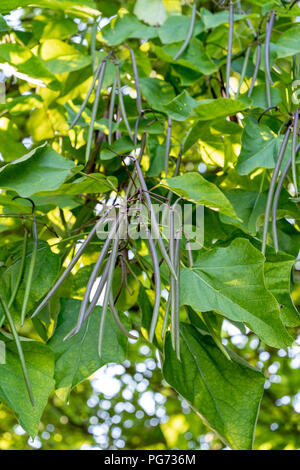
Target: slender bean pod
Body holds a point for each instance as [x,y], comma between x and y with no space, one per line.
[21,270]
[122,106]
[70,266]
[294,145]
[153,218]
[190,32]
[269,28]
[94,112]
[30,272]
[156,272]
[108,288]
[229,46]
[172,280]
[168,145]
[136,79]
[86,99]
[272,188]
[276,198]
[94,302]
[166,317]
[243,72]
[94,275]
[257,63]
[111,110]
[177,297]
[117,319]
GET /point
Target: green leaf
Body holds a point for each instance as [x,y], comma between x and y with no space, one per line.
[213,20]
[157,92]
[152,12]
[226,394]
[176,27]
[60,57]
[44,28]
[288,43]
[3,25]
[250,207]
[77,358]
[231,281]
[122,146]
[259,98]
[181,107]
[278,267]
[83,8]
[40,365]
[42,169]
[259,148]
[211,131]
[193,187]
[212,109]
[194,57]
[120,29]
[93,183]
[45,272]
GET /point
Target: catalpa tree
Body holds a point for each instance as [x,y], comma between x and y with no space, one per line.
[149,188]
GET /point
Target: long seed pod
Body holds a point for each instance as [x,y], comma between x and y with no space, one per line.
[177,167]
[30,272]
[294,145]
[21,270]
[70,266]
[172,280]
[268,92]
[177,298]
[190,32]
[276,198]
[257,63]
[117,319]
[111,110]
[166,317]
[156,272]
[168,145]
[19,348]
[94,112]
[243,72]
[136,79]
[93,303]
[153,218]
[108,288]
[94,275]
[122,106]
[86,99]
[229,46]
[272,188]
[269,27]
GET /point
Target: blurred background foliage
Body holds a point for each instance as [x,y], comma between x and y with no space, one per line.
[128,406]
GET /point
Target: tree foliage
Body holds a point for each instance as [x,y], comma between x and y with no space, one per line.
[114,108]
